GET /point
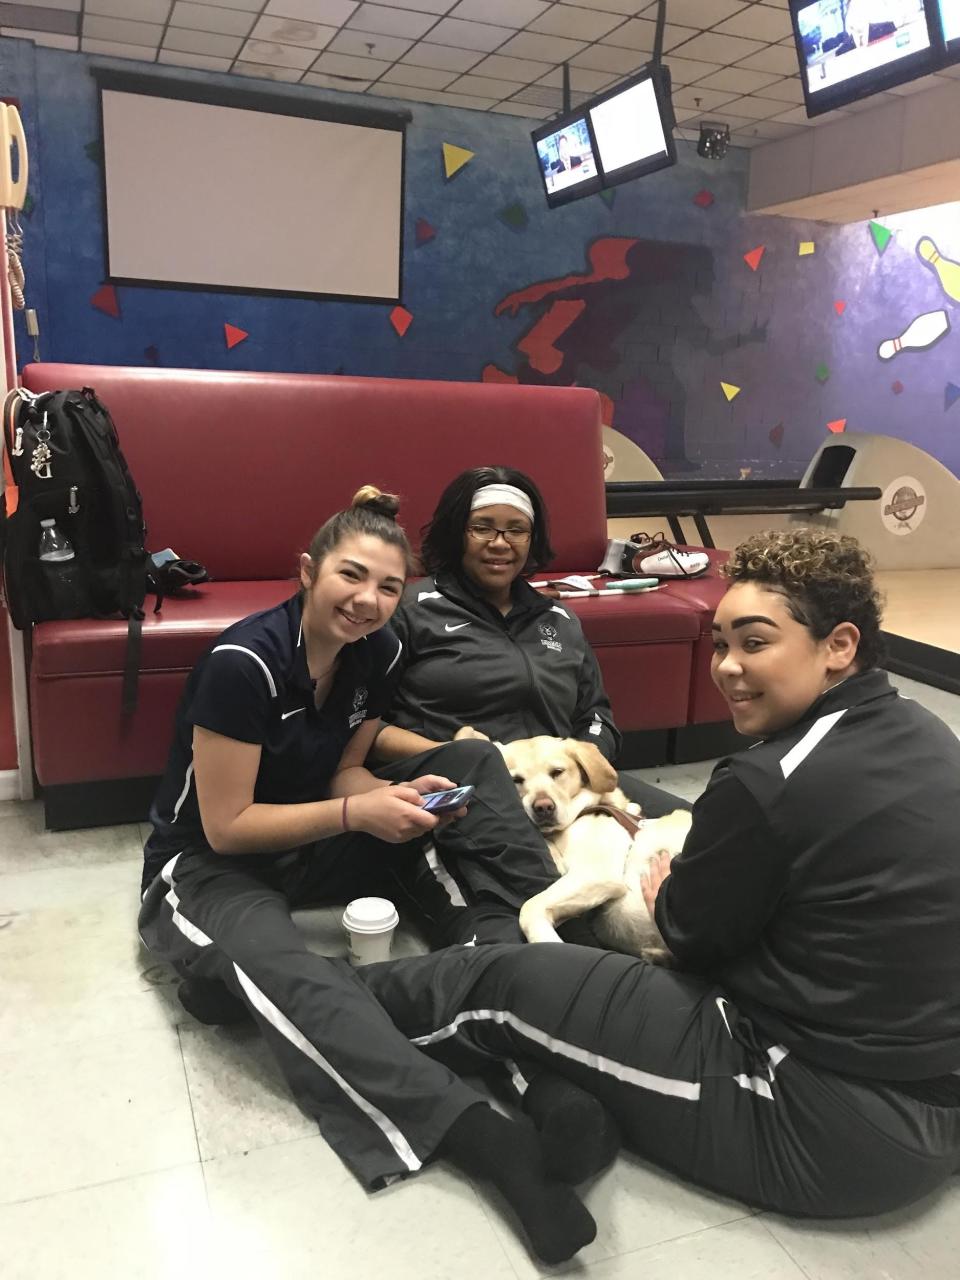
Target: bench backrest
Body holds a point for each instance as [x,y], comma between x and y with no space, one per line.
[237,470]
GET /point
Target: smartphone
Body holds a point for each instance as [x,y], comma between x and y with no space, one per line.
[443,801]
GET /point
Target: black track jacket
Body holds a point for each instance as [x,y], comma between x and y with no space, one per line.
[820,885]
[464,663]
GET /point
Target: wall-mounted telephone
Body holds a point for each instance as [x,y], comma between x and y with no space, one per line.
[12,193]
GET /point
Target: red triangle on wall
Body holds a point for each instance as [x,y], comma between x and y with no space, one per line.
[423,231]
[233,335]
[106,300]
[752,259]
[401,319]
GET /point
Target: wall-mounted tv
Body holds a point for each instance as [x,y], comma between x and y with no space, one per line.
[567,160]
[948,14]
[849,49]
[633,126]
[621,134]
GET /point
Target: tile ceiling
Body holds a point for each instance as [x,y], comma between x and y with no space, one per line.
[731,60]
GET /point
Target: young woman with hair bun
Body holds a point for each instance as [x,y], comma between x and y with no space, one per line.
[266,806]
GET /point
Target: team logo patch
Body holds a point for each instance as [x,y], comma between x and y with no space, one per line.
[359,706]
[548,637]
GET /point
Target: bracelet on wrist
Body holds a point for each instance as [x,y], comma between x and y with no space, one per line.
[343,814]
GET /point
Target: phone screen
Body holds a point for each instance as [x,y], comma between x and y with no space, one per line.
[441,801]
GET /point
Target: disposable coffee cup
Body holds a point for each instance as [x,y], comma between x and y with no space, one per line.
[370,923]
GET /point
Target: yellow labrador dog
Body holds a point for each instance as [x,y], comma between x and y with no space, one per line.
[599,841]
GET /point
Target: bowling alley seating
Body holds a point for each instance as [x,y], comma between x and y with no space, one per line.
[238,469]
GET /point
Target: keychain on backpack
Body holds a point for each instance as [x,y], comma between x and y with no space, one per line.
[40,461]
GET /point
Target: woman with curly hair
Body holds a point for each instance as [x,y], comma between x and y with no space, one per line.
[805,1054]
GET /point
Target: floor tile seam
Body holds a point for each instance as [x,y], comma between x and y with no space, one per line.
[747,1215]
[100,1182]
[186,1085]
[134,861]
[89,1041]
[765,1223]
[258,1146]
[481,1193]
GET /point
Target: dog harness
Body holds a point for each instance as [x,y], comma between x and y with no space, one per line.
[629,823]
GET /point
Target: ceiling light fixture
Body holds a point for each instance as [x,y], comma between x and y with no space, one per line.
[714,140]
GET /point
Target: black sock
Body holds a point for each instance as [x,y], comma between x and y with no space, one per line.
[212,1002]
[507,1153]
[578,1135]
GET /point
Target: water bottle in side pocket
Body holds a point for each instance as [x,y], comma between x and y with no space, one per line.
[62,575]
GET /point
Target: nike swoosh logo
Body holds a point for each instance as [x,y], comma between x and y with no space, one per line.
[457,627]
[720,1003]
[287,714]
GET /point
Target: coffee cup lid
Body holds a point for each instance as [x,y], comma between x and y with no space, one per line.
[370,915]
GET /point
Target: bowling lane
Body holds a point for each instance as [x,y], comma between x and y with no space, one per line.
[923,605]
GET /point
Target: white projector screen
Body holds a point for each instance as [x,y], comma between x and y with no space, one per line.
[228,197]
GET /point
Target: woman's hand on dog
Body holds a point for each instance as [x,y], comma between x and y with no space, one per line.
[658,868]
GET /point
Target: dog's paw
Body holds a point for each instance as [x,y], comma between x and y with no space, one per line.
[468,731]
[536,928]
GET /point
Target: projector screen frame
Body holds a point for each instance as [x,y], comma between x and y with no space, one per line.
[879,79]
[249,100]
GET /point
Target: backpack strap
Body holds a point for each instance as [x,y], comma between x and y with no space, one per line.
[11,415]
[131,664]
[101,435]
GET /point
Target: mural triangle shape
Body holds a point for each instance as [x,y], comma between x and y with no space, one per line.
[454,158]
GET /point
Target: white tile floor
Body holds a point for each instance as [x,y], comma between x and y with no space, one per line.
[136,1144]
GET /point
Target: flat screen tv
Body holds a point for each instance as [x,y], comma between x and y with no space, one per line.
[948,15]
[621,134]
[633,127]
[567,160]
[849,49]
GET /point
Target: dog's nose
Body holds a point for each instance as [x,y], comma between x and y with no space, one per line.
[544,809]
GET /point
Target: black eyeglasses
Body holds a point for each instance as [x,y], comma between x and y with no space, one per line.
[515,537]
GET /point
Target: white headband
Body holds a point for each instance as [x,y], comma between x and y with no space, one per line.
[506,495]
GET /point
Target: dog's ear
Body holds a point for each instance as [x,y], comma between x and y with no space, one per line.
[598,772]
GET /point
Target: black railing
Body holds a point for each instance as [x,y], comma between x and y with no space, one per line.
[701,498]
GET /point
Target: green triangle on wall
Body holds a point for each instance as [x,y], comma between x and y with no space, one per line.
[881,236]
[514,215]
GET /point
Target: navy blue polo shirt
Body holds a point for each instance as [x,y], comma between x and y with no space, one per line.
[253,685]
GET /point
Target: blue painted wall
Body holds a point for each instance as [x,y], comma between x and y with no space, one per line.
[689,313]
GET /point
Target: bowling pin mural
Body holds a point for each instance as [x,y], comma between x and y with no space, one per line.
[945,269]
[920,333]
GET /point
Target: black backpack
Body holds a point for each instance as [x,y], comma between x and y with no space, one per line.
[66,463]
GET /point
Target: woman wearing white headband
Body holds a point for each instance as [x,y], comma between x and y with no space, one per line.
[482,648]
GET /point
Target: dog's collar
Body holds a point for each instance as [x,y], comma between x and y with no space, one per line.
[629,823]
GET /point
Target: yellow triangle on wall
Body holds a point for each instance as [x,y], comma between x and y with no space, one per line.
[454,158]
[729,390]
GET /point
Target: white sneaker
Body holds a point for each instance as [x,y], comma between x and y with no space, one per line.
[671,563]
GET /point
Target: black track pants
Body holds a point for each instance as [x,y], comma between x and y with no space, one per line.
[693,1085]
[381,1104]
